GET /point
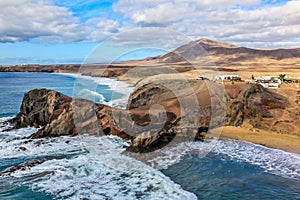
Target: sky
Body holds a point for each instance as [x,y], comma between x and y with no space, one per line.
[83,31]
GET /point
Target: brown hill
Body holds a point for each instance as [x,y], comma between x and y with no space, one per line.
[229,55]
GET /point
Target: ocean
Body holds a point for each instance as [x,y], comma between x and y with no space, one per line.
[89,167]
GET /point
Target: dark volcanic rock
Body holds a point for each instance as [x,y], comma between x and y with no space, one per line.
[253,104]
[48,110]
[147,142]
[21,167]
[39,107]
[57,115]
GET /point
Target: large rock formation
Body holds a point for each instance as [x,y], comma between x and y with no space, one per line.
[39,106]
[258,107]
[255,104]
[156,114]
[245,104]
[54,114]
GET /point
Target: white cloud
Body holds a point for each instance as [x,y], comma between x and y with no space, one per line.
[23,20]
[225,20]
[158,15]
[162,12]
[161,38]
[98,29]
[265,24]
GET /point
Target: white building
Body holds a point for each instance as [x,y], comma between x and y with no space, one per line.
[225,77]
[267,81]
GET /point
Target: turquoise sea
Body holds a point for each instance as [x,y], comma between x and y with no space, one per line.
[86,167]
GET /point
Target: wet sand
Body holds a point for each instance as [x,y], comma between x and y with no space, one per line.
[286,142]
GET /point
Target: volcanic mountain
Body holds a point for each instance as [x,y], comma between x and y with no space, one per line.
[223,54]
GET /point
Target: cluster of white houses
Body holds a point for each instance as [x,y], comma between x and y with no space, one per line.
[267,82]
[228,77]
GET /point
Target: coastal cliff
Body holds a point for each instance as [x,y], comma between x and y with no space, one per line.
[150,126]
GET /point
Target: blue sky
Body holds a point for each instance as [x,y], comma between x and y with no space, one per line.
[71,31]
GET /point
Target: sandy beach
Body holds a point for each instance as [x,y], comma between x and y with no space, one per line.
[286,142]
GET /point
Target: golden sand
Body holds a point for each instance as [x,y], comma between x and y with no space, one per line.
[270,139]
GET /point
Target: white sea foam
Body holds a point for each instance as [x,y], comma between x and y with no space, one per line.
[3,124]
[91,95]
[22,148]
[120,87]
[270,160]
[103,173]
[170,155]
[14,143]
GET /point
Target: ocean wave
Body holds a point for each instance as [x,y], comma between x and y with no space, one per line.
[170,155]
[11,148]
[84,167]
[102,173]
[16,144]
[3,124]
[94,167]
[120,87]
[91,95]
[271,160]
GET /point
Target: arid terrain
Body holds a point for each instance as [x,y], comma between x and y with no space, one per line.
[265,116]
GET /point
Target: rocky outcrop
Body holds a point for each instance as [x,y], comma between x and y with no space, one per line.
[53,113]
[72,68]
[246,104]
[155,116]
[40,106]
[56,115]
[255,104]
[21,167]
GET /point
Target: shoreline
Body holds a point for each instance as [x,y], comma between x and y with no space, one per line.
[121,87]
[286,142]
[125,84]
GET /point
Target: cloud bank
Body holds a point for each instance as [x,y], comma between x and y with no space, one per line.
[248,22]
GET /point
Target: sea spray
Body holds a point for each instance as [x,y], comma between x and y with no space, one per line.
[97,170]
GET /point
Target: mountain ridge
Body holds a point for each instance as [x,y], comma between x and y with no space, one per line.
[226,53]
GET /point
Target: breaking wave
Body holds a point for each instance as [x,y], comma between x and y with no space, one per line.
[84,167]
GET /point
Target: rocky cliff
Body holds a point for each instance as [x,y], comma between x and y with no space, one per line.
[244,105]
[56,114]
[156,114]
[255,104]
